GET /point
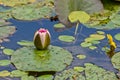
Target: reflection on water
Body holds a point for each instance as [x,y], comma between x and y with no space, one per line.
[26,29]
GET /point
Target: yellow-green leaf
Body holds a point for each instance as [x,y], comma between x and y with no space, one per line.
[80,16]
[4,73]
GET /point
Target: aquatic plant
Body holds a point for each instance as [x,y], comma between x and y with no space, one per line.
[112,44]
[3,27]
[116,60]
[42,38]
[78,17]
[52,59]
[67,6]
[93,40]
[91,72]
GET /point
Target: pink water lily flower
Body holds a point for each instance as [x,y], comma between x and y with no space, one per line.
[41,38]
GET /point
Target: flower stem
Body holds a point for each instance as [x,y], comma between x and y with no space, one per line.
[76,28]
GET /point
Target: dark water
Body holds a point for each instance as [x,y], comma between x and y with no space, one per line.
[26,29]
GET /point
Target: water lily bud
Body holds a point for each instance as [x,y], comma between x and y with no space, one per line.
[42,38]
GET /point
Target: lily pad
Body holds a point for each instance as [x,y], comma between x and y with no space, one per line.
[15,2]
[59,25]
[45,77]
[100,37]
[85,44]
[95,42]
[30,12]
[30,59]
[117,36]
[25,43]
[92,47]
[4,73]
[80,16]
[94,72]
[79,69]
[66,38]
[5,62]
[4,33]
[69,74]
[28,78]
[100,32]
[81,56]
[90,72]
[18,73]
[8,51]
[116,60]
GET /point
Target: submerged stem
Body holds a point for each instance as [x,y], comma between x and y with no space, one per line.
[76,28]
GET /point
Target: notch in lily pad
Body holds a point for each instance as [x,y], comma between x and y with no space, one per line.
[78,17]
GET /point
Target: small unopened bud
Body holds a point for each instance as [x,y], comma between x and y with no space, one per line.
[41,38]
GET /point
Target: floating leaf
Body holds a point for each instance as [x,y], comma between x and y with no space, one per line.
[30,59]
[8,51]
[79,69]
[25,43]
[4,33]
[80,16]
[59,25]
[116,60]
[100,32]
[93,72]
[66,38]
[100,37]
[5,62]
[45,77]
[85,44]
[4,73]
[92,47]
[81,56]
[69,74]
[91,39]
[30,12]
[18,73]
[15,2]
[95,42]
[28,78]
[117,36]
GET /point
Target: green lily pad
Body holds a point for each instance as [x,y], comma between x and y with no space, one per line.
[92,47]
[28,78]
[16,2]
[85,44]
[5,31]
[100,37]
[30,12]
[80,16]
[79,69]
[116,60]
[30,59]
[5,62]
[4,73]
[93,72]
[95,42]
[59,25]
[70,74]
[100,32]
[117,36]
[18,73]
[45,77]
[3,22]
[66,38]
[81,56]
[25,43]
[90,72]
[8,51]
